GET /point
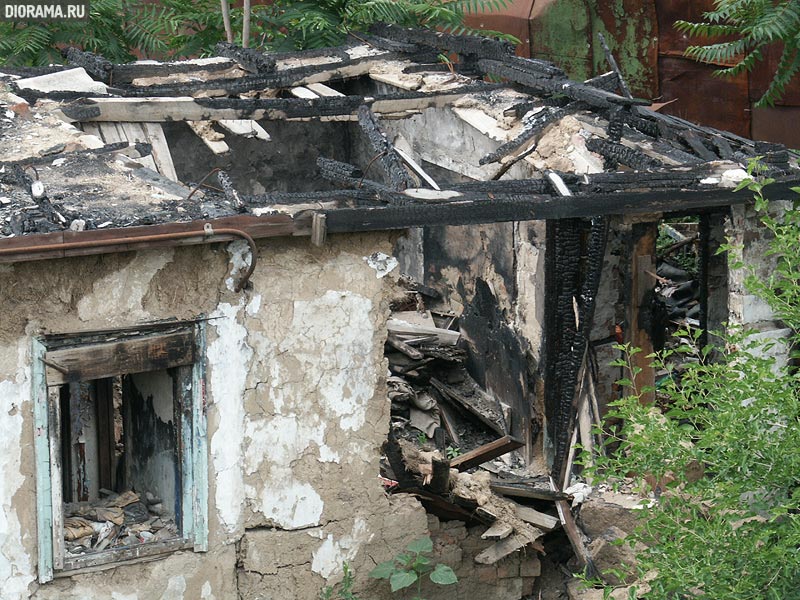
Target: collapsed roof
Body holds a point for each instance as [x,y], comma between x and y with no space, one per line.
[98,152]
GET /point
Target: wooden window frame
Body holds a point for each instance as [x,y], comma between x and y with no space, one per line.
[68,358]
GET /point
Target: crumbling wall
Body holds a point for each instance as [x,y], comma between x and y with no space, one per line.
[297,412]
[751,242]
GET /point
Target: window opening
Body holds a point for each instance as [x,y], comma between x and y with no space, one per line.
[123,471]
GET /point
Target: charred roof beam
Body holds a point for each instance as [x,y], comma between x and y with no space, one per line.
[392,162]
[248,59]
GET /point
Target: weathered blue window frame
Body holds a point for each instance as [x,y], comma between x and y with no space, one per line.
[193,456]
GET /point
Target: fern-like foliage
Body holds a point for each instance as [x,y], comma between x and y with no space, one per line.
[121,30]
[750,26]
[300,24]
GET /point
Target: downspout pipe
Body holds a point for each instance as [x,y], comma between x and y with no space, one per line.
[209,234]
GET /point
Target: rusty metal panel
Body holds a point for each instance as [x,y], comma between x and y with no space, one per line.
[561,32]
[779,124]
[671,41]
[513,20]
[703,98]
[631,30]
[761,77]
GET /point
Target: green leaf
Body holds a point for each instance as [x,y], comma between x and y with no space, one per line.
[402,579]
[383,571]
[423,544]
[443,575]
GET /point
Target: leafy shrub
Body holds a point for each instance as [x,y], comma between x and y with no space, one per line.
[408,568]
[724,457]
[121,29]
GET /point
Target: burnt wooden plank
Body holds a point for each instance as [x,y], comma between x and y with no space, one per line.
[96,361]
[391,161]
[184,108]
[478,208]
[524,490]
[249,59]
[698,146]
[104,404]
[124,554]
[485,453]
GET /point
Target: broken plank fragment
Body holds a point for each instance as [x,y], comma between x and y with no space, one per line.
[498,531]
[534,517]
[485,453]
[404,328]
[319,229]
[399,345]
[303,92]
[161,154]
[522,490]
[501,549]
[245,128]
[324,91]
[409,160]
[211,138]
[440,478]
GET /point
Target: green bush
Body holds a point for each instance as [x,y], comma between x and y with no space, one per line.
[119,29]
[724,456]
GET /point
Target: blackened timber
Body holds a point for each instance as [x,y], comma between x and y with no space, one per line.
[350,176]
[210,109]
[359,197]
[519,71]
[281,79]
[230,191]
[249,59]
[613,151]
[391,161]
[485,453]
[697,145]
[479,208]
[95,65]
[510,186]
[460,44]
[723,147]
[607,81]
[137,70]
[537,124]
[643,125]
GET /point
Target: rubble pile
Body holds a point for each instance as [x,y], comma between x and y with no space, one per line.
[116,521]
[444,425]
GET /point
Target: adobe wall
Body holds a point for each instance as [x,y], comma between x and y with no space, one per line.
[297,413]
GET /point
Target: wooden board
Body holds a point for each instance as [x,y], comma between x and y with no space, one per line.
[161,153]
[320,89]
[534,517]
[485,453]
[501,549]
[96,361]
[157,109]
[498,531]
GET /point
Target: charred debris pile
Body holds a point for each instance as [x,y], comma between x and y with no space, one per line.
[116,521]
[647,161]
[449,443]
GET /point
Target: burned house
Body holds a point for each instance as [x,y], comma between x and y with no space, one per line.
[232,286]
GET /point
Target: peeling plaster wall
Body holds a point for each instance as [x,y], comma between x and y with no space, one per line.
[751,239]
[297,413]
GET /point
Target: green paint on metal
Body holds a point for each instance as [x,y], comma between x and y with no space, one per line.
[630,37]
[561,35]
[200,443]
[41,449]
